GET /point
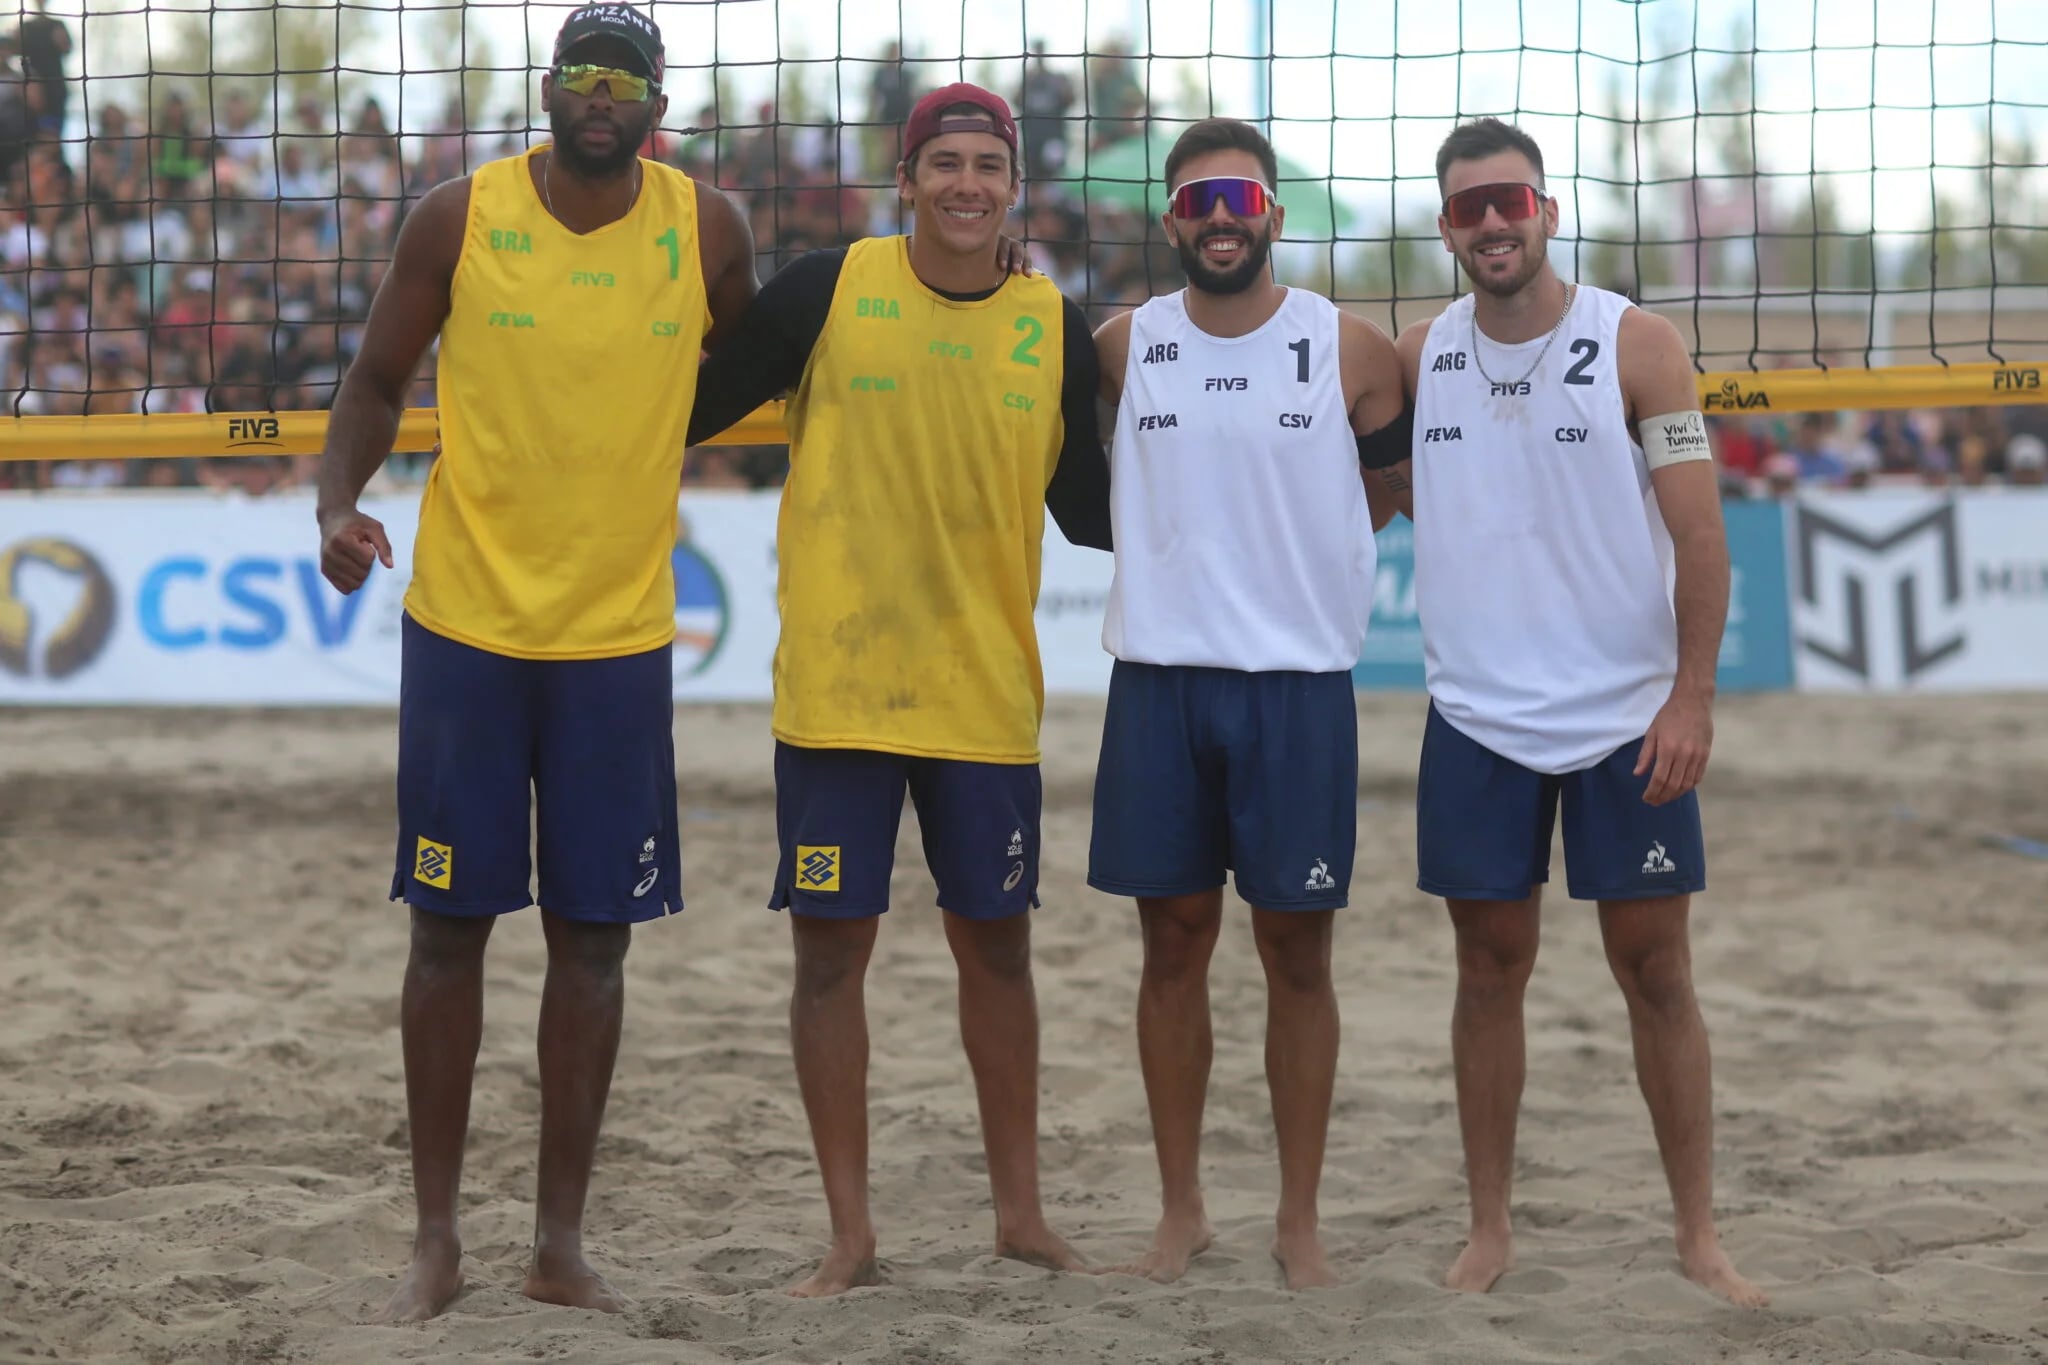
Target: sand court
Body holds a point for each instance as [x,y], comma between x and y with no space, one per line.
[202,1142]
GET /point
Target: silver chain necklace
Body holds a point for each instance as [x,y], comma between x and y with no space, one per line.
[549,199]
[1570,291]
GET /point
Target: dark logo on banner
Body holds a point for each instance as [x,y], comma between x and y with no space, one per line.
[1863,574]
[69,644]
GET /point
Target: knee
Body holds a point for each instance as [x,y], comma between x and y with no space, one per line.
[1654,977]
[1495,965]
[999,949]
[445,945]
[828,959]
[597,951]
[1297,957]
[1177,950]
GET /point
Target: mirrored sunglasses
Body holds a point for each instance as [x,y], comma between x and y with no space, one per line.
[626,88]
[1242,197]
[1467,208]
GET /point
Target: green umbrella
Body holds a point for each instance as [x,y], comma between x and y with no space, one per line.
[1132,174]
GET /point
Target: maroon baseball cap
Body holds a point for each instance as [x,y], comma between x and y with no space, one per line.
[925,124]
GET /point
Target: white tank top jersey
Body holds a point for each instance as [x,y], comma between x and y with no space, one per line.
[1243,540]
[1543,572]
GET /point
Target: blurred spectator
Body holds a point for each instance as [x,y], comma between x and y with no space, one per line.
[2026,461]
[193,259]
[1813,451]
[42,44]
[1042,109]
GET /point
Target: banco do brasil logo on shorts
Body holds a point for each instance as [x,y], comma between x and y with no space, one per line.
[703,611]
[37,641]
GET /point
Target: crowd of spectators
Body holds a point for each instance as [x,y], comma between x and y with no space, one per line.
[218,253]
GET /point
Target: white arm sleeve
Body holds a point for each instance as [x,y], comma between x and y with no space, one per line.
[1675,438]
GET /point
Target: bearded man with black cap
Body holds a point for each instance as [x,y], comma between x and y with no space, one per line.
[573,288]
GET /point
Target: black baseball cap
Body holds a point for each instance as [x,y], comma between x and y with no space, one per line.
[623,22]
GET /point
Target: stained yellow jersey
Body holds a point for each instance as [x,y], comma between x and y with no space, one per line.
[568,367]
[922,438]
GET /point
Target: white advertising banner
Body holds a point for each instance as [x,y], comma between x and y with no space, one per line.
[1911,590]
[176,599]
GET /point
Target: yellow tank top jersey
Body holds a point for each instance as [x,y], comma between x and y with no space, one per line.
[922,436]
[567,370]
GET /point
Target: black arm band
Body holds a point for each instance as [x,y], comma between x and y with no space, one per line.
[1392,443]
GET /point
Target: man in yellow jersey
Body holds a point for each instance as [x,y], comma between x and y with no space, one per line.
[572,287]
[941,407]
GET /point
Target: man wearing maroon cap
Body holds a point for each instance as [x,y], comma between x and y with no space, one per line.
[941,406]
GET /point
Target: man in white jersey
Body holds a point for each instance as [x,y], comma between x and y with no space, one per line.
[1571,575]
[1244,574]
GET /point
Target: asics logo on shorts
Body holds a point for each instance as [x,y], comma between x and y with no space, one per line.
[647,882]
[817,867]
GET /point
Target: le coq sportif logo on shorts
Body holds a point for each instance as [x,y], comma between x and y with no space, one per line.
[1879,603]
[37,639]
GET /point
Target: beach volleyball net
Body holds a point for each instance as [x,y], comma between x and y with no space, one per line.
[1842,203]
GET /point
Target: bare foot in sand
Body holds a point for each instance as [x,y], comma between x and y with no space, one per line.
[1038,1245]
[848,1265]
[1706,1264]
[1303,1264]
[429,1284]
[1487,1257]
[1178,1239]
[569,1281]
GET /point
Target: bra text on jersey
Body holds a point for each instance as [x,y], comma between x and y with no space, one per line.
[1158,422]
[876,308]
[1235,382]
[1161,350]
[504,240]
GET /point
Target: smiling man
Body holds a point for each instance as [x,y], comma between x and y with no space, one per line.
[573,279]
[1571,575]
[942,406]
[1244,580]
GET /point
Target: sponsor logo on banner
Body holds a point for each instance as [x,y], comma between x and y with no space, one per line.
[251,603]
[38,638]
[1878,582]
[703,606]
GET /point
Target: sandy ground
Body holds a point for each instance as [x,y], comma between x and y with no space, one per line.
[202,1133]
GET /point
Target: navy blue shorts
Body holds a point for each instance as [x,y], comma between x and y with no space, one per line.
[484,739]
[1210,770]
[1483,826]
[836,816]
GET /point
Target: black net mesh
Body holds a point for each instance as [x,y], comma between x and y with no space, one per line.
[198,200]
